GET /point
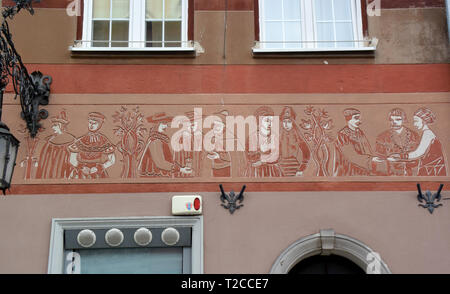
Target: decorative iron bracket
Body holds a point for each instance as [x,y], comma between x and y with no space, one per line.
[34,89]
[429,198]
[230,201]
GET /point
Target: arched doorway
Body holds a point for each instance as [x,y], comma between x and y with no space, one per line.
[322,265]
[327,243]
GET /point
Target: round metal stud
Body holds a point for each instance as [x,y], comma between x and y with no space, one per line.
[114,237]
[86,238]
[143,236]
[170,236]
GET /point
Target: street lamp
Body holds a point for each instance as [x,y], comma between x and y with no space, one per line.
[8,153]
[33,90]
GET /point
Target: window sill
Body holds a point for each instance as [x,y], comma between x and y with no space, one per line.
[132,52]
[315,52]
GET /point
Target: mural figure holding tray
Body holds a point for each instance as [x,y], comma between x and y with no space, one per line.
[398,139]
[92,154]
[429,153]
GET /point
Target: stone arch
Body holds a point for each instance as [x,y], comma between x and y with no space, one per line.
[327,242]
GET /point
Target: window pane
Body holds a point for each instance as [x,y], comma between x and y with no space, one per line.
[292,10]
[272,10]
[325,33]
[173,9]
[154,33]
[172,32]
[153,9]
[343,10]
[101,33]
[293,34]
[102,8]
[323,10]
[121,9]
[119,32]
[344,32]
[274,32]
[132,261]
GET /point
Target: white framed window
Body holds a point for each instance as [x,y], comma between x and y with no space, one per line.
[122,25]
[163,245]
[311,25]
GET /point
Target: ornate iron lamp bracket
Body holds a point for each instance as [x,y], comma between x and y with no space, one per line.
[429,199]
[230,201]
[34,89]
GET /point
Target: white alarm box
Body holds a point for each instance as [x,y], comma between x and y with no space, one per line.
[187,205]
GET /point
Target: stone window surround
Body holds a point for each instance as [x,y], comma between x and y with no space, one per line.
[56,251]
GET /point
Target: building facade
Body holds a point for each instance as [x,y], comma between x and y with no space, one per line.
[358,106]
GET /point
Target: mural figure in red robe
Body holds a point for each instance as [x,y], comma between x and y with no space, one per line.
[157,159]
[429,152]
[92,154]
[54,159]
[398,139]
[352,153]
[294,152]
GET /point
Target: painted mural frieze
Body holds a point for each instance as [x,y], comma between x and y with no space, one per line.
[256,143]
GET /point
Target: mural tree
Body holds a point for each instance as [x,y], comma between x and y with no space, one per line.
[131,132]
[317,134]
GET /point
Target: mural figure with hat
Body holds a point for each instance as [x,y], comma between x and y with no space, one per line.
[191,156]
[352,154]
[294,152]
[92,154]
[157,159]
[398,139]
[220,159]
[264,162]
[429,152]
[54,157]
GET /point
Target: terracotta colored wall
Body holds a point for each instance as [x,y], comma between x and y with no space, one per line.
[249,4]
[405,36]
[245,79]
[407,237]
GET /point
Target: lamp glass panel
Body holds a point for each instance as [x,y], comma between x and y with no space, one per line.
[11,163]
[3,144]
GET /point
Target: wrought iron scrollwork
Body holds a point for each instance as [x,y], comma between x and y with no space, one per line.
[34,89]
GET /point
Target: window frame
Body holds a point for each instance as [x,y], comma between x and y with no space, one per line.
[57,252]
[309,31]
[137,29]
